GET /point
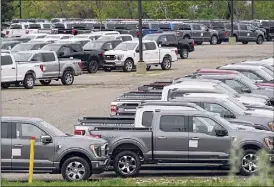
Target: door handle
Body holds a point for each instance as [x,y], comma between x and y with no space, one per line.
[195,138]
[18,145]
[162,137]
[13,68]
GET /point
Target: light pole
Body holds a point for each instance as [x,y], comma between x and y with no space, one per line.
[232,39]
[252,9]
[20,9]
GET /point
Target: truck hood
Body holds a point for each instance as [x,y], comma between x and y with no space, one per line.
[116,52]
[266,92]
[251,100]
[79,139]
[250,132]
[261,112]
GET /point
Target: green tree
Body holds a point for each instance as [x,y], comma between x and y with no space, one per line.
[7,10]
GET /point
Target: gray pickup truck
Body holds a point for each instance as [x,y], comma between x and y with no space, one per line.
[53,68]
[188,136]
[75,157]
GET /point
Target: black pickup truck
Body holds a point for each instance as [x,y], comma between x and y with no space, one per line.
[129,28]
[268,25]
[74,29]
[91,59]
[169,39]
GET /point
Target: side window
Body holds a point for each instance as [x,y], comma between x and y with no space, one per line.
[235,84]
[163,39]
[26,131]
[108,46]
[37,57]
[173,123]
[251,75]
[126,38]
[37,47]
[4,130]
[40,36]
[154,26]
[243,27]
[6,60]
[196,27]
[171,38]
[65,37]
[205,125]
[250,28]
[216,108]
[150,46]
[48,57]
[76,47]
[147,118]
[46,26]
[65,50]
[144,47]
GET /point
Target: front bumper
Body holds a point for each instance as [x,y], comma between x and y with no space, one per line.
[115,63]
[99,166]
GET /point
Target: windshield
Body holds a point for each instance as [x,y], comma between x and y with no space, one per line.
[225,89]
[227,123]
[22,57]
[54,131]
[22,47]
[264,74]
[51,47]
[52,36]
[151,37]
[107,37]
[249,82]
[93,45]
[236,104]
[126,46]
[268,71]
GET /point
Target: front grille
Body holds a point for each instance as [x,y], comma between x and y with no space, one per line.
[110,57]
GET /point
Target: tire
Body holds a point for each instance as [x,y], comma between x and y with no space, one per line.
[45,82]
[166,64]
[93,66]
[244,42]
[184,53]
[260,40]
[81,167]
[106,69]
[148,68]
[213,40]
[245,164]
[219,42]
[128,65]
[5,85]
[67,78]
[29,81]
[198,43]
[128,160]
[186,37]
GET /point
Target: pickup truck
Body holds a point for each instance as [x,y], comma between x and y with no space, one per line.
[75,157]
[126,56]
[69,28]
[15,73]
[16,30]
[53,68]
[91,59]
[187,136]
[169,39]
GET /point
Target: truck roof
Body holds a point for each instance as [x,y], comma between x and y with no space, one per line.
[218,76]
[35,51]
[200,99]
[25,119]
[217,71]
[168,103]
[241,66]
[137,41]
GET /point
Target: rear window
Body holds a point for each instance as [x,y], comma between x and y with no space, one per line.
[34,26]
[6,60]
[46,26]
[147,118]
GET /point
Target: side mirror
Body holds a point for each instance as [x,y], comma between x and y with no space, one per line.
[221,132]
[46,139]
[34,60]
[160,42]
[229,116]
[105,49]
[137,50]
[259,81]
[61,54]
[246,90]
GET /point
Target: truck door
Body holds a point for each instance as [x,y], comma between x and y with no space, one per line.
[51,65]
[204,144]
[197,33]
[6,151]
[171,138]
[252,32]
[44,153]
[244,33]
[152,53]
[8,69]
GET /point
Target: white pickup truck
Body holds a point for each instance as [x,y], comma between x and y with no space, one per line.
[126,56]
[15,73]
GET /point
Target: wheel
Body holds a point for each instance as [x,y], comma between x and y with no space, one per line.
[106,69]
[128,65]
[148,68]
[28,81]
[244,42]
[249,162]
[93,66]
[219,42]
[45,82]
[260,40]
[184,53]
[67,78]
[127,164]
[213,40]
[186,37]
[75,169]
[166,64]
[5,85]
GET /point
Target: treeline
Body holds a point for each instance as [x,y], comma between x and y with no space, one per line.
[161,9]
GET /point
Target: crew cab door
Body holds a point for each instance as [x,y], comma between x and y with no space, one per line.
[51,65]
[171,138]
[152,52]
[204,144]
[8,69]
[6,151]
[244,33]
[197,33]
[44,153]
[252,33]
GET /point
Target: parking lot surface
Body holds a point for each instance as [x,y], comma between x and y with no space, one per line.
[91,94]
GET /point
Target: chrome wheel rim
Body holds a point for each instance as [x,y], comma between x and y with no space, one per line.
[167,63]
[185,53]
[127,165]
[68,78]
[75,171]
[249,163]
[214,39]
[93,65]
[30,82]
[129,66]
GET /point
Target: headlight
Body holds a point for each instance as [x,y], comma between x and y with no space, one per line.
[269,142]
[120,57]
[271,125]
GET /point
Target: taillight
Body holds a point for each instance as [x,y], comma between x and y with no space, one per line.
[7,32]
[113,109]
[80,64]
[95,135]
[102,54]
[79,132]
[176,51]
[226,33]
[193,43]
[27,31]
[137,33]
[41,67]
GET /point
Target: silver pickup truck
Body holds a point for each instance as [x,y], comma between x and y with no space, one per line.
[53,68]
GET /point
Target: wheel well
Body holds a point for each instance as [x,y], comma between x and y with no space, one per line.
[251,146]
[72,154]
[214,35]
[94,58]
[128,147]
[167,56]
[260,35]
[187,35]
[30,72]
[129,58]
[69,69]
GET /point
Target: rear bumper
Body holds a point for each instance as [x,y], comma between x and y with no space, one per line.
[99,166]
